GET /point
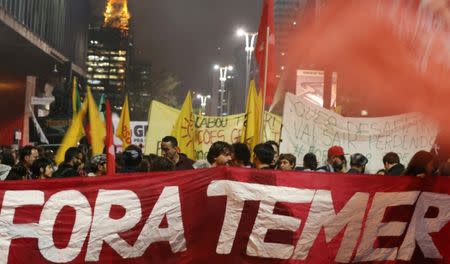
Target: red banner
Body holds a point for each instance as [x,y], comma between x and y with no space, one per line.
[226,215]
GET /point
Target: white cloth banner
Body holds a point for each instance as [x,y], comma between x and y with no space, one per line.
[310,128]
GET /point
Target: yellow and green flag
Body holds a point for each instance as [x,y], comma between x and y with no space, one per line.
[97,126]
[76,100]
[74,133]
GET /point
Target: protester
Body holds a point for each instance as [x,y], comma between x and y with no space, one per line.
[7,158]
[286,162]
[392,165]
[219,154]
[42,168]
[276,148]
[421,165]
[69,168]
[84,164]
[18,172]
[358,164]
[132,158]
[170,150]
[98,165]
[444,169]
[336,160]
[27,155]
[4,171]
[147,160]
[263,156]
[309,163]
[240,156]
[162,164]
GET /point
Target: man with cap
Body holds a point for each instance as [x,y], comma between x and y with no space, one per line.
[336,160]
[358,164]
[98,165]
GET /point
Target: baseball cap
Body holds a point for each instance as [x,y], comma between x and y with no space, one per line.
[336,151]
[98,159]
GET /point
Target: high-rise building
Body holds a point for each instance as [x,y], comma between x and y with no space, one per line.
[107,62]
[109,51]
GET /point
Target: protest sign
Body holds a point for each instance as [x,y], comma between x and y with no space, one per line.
[226,215]
[309,128]
[208,129]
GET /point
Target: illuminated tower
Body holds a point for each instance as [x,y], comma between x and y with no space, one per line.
[109,53]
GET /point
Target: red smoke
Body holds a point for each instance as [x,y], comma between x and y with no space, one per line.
[397,55]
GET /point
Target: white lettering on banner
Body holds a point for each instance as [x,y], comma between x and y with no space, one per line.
[238,193]
[83,217]
[9,230]
[322,214]
[104,228]
[420,226]
[169,206]
[376,228]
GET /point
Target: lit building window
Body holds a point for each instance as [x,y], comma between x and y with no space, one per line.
[116,58]
[100,76]
[92,57]
[94,82]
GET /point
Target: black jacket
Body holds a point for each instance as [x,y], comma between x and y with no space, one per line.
[353,171]
[65,171]
[396,170]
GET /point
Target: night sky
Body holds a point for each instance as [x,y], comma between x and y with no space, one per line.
[184,36]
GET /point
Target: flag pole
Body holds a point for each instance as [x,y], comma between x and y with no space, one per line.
[262,122]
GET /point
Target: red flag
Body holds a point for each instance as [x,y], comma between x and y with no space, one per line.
[109,142]
[265,45]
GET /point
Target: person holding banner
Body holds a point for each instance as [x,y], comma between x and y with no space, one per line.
[170,150]
[336,160]
[28,155]
[240,156]
[421,165]
[219,154]
[263,156]
[392,164]
[286,162]
[42,168]
[72,161]
[358,164]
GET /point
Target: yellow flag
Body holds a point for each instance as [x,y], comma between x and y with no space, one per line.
[251,132]
[97,126]
[73,135]
[124,128]
[184,130]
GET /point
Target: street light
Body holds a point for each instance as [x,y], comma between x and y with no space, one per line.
[203,99]
[223,71]
[249,48]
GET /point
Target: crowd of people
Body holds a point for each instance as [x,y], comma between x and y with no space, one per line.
[32,162]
